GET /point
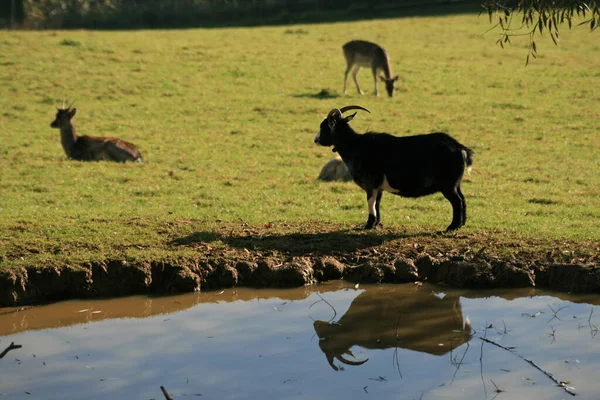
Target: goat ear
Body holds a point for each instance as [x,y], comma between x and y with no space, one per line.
[331,121]
[349,117]
[72,113]
[396,78]
[381,78]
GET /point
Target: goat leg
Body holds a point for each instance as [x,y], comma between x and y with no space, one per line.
[457,208]
[372,198]
[377,203]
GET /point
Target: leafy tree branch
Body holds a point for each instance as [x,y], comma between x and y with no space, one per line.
[536,17]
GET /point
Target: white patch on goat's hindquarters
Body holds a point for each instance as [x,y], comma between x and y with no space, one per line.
[386,186]
[372,200]
[465,155]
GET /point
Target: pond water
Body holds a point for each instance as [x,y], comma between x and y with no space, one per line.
[332,341]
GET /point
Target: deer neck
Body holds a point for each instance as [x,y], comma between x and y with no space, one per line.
[68,138]
[387,70]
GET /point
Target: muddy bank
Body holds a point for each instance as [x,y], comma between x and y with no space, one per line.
[29,285]
[286,255]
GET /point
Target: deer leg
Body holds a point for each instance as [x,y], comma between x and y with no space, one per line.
[354,72]
[348,68]
[457,207]
[375,79]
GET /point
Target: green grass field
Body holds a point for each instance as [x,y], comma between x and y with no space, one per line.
[225,121]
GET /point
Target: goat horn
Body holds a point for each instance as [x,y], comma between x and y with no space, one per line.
[63,106]
[348,108]
[330,361]
[71,105]
[348,362]
[333,112]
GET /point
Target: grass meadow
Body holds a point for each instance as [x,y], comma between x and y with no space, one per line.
[225,120]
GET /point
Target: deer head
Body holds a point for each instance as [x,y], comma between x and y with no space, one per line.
[390,84]
[63,116]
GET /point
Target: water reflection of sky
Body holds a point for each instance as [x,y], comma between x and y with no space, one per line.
[267,348]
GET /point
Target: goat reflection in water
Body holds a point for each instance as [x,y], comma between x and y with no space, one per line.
[380,319]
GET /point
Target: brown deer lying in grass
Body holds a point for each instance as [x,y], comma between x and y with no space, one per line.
[91,148]
[360,53]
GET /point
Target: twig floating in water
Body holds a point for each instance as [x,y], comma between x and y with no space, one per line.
[326,302]
[165,393]
[395,358]
[562,384]
[12,346]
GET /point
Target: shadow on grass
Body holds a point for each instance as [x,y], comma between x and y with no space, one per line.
[299,244]
[322,95]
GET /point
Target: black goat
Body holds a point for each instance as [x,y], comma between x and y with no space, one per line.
[411,166]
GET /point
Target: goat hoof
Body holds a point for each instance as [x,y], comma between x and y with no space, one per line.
[372,226]
[452,228]
[371,222]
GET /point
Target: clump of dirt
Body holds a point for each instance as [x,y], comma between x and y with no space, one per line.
[288,256]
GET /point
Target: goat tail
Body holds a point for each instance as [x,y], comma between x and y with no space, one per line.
[468,157]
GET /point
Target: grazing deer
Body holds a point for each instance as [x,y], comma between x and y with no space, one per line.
[91,148]
[360,53]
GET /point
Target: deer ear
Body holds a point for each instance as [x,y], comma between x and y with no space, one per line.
[72,113]
[349,117]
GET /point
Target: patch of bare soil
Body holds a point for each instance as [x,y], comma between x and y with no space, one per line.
[285,256]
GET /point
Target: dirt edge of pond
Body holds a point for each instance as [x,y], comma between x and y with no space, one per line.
[111,278]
